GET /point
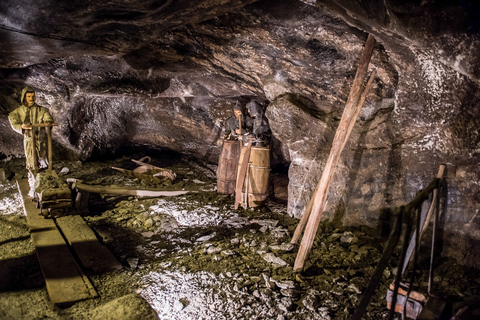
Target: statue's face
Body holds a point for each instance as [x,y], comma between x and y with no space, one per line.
[30,98]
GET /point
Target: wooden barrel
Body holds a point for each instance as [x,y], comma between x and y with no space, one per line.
[257,177]
[227,167]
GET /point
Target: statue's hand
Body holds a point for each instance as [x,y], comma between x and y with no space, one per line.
[27,126]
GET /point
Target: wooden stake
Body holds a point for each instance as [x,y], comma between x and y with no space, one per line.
[344,129]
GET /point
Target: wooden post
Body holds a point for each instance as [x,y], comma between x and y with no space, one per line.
[241,174]
[344,129]
[240,125]
[34,150]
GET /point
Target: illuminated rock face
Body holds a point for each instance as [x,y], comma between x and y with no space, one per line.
[166,74]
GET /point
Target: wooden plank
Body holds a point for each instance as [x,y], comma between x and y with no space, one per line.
[65,281]
[93,255]
[127,191]
[242,173]
[344,129]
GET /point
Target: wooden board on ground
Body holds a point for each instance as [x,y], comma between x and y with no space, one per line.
[93,255]
[65,281]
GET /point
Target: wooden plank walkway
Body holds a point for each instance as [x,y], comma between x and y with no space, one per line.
[65,281]
[93,255]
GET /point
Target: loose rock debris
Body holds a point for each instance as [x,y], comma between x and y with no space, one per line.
[194,257]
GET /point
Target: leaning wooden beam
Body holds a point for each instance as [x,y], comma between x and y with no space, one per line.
[425,223]
[303,221]
[344,129]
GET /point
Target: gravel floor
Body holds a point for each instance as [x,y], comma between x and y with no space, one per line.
[195,257]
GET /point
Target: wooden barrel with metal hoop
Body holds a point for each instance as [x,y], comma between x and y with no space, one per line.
[227,167]
[257,177]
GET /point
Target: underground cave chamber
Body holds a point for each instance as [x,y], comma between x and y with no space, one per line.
[159,81]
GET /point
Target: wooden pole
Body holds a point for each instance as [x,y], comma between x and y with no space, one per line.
[240,125]
[441,170]
[49,144]
[48,127]
[303,221]
[412,245]
[242,172]
[344,129]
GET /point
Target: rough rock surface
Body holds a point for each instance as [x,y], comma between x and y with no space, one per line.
[165,74]
[129,307]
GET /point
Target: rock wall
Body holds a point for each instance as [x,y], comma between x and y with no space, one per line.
[166,75]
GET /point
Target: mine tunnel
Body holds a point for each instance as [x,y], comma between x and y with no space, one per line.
[239,159]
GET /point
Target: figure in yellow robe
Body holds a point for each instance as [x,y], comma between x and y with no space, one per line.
[21,119]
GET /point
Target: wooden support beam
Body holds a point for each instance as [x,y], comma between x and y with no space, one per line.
[344,129]
[303,221]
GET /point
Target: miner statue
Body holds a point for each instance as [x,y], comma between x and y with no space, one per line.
[34,138]
[235,126]
[248,122]
[260,130]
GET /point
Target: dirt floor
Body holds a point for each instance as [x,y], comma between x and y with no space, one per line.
[194,257]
